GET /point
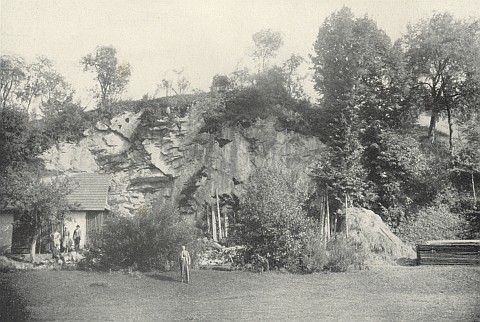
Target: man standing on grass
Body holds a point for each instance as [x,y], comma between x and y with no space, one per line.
[77,235]
[184,264]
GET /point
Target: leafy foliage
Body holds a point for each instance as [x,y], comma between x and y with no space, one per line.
[437,220]
[21,140]
[268,95]
[399,170]
[12,73]
[443,56]
[112,76]
[38,203]
[267,42]
[146,241]
[66,122]
[272,222]
[22,84]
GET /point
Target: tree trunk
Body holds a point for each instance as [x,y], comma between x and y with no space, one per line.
[450,130]
[433,123]
[33,245]
[220,234]
[214,226]
[474,193]
[208,221]
[327,215]
[346,214]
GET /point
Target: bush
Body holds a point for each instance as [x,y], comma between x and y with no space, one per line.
[433,222]
[271,222]
[148,240]
[6,266]
[66,122]
[344,253]
[339,254]
[315,256]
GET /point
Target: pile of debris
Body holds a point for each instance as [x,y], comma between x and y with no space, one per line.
[14,262]
[217,256]
[381,244]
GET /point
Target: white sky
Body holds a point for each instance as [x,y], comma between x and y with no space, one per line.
[204,37]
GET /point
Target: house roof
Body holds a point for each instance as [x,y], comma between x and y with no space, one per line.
[90,191]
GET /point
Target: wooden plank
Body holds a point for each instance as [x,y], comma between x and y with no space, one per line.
[470,249]
[465,252]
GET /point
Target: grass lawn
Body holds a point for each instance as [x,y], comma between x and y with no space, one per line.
[422,293]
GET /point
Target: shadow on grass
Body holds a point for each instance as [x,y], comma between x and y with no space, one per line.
[162,277]
[407,262]
[12,306]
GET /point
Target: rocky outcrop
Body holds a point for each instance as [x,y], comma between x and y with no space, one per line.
[169,160]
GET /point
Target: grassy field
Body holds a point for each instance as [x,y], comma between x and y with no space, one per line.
[381,294]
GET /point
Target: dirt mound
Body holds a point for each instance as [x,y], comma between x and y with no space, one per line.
[368,228]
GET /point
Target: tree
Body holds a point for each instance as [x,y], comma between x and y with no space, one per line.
[443,56]
[12,73]
[21,139]
[221,84]
[267,42]
[364,88]
[294,80]
[38,203]
[21,83]
[112,76]
[65,121]
[466,159]
[271,221]
[349,54]
[178,86]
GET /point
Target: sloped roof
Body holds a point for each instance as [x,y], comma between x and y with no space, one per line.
[90,191]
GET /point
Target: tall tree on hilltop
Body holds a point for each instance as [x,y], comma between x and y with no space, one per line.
[362,83]
[267,42]
[22,84]
[44,84]
[112,76]
[293,78]
[443,56]
[12,73]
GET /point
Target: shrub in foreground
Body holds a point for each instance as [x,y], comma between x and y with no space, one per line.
[272,223]
[338,255]
[150,239]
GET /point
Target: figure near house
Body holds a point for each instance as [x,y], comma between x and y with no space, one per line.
[185,260]
[77,235]
[56,243]
[66,240]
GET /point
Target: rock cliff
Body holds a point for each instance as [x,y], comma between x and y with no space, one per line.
[171,161]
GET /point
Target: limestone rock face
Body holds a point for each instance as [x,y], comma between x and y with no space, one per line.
[161,161]
[69,157]
[126,124]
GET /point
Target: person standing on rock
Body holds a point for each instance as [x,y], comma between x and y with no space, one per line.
[184,265]
[77,235]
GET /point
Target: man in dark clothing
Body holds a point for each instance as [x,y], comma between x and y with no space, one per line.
[77,235]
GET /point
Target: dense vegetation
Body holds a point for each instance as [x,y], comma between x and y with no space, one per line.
[372,92]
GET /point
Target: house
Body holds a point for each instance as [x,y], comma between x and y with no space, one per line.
[90,207]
